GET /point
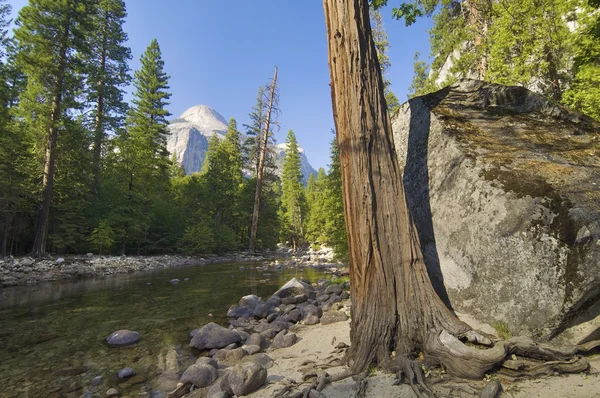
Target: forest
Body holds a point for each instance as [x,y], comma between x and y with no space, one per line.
[82,170]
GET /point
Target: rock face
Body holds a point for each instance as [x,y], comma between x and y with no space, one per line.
[190,132]
[504,189]
[214,336]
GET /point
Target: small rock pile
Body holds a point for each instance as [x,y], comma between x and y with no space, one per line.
[236,363]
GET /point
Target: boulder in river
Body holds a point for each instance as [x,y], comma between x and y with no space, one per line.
[122,338]
[214,336]
[504,189]
[250,301]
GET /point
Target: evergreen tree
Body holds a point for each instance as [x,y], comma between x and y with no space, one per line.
[224,178]
[382,45]
[108,74]
[292,199]
[316,192]
[141,163]
[51,36]
[335,226]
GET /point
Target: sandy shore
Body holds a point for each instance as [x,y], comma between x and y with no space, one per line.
[316,348]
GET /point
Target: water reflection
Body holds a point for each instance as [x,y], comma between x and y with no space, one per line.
[51,339]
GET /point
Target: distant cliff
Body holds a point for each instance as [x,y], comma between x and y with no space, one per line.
[190,132]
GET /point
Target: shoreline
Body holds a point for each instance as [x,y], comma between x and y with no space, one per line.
[28,271]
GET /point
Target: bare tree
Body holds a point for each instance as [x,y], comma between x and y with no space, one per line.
[394,305]
[263,142]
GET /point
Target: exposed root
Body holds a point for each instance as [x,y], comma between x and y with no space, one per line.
[413,372]
[466,362]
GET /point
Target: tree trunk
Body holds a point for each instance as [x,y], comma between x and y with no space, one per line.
[261,166]
[41,234]
[99,122]
[394,305]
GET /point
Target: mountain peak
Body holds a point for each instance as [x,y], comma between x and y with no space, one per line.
[204,118]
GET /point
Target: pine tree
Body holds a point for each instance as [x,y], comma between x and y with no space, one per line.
[141,163]
[108,74]
[224,179]
[51,36]
[382,45]
[292,199]
[335,226]
[316,192]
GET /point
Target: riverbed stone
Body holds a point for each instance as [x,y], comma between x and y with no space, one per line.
[301,298]
[333,316]
[268,334]
[174,281]
[311,309]
[256,339]
[322,298]
[261,310]
[112,392]
[289,308]
[207,361]
[235,355]
[295,315]
[272,317]
[345,295]
[284,339]
[247,378]
[125,372]
[122,338]
[288,300]
[250,301]
[273,301]
[244,335]
[199,375]
[311,319]
[333,289]
[295,287]
[252,349]
[214,336]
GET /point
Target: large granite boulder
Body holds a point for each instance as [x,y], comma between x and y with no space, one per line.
[504,187]
[214,336]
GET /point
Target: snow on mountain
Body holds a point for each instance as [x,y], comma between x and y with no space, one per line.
[189,134]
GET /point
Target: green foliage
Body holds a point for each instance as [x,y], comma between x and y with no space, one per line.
[292,208]
[502,329]
[102,237]
[198,239]
[315,193]
[421,83]
[382,46]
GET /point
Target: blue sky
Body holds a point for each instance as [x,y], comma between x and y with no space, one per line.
[219,52]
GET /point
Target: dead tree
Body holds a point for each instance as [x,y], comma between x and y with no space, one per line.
[264,142]
[394,305]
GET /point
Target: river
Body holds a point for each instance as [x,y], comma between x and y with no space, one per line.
[52,335]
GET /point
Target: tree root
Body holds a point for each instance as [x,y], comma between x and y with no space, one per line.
[466,362]
[413,372]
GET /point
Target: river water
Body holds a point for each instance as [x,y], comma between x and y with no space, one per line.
[52,335]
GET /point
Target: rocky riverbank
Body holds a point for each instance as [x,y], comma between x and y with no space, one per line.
[18,271]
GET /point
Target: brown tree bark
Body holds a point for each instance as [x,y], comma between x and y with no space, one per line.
[41,232]
[394,305]
[264,136]
[393,302]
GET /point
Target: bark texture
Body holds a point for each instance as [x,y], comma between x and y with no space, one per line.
[394,304]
